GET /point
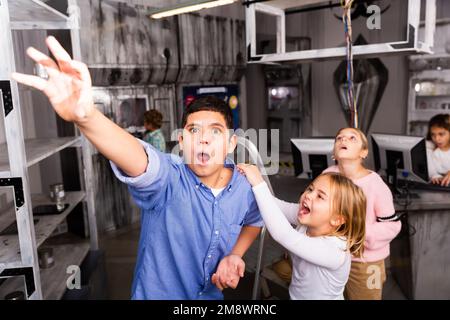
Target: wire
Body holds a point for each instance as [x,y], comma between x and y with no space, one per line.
[346,18]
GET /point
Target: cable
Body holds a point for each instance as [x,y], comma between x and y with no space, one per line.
[403,214]
[347,20]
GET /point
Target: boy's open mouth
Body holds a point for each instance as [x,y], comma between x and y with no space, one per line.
[203,157]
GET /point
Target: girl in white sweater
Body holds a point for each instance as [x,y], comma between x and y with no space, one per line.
[330,226]
[439,158]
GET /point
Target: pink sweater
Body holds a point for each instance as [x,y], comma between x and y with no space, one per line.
[379,204]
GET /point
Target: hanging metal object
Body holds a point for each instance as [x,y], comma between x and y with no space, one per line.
[369,83]
[409,43]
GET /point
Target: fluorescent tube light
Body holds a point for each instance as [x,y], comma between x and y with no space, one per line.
[189,7]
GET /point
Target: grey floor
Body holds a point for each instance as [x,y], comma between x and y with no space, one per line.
[120,249]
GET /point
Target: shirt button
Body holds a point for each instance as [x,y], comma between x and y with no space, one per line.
[200,293]
[209,257]
[196,186]
[215,203]
[216,232]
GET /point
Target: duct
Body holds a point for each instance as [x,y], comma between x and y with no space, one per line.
[212,49]
[123,46]
[134,75]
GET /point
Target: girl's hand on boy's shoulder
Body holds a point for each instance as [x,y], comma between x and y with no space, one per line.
[252,173]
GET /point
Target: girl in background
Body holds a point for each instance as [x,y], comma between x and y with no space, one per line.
[367,273]
[438,157]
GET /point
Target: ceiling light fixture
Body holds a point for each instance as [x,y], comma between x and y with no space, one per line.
[188,7]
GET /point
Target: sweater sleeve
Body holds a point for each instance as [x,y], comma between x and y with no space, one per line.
[381,233]
[321,251]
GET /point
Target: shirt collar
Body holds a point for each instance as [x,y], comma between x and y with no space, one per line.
[229,163]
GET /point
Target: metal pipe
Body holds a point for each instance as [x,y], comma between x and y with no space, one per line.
[256,158]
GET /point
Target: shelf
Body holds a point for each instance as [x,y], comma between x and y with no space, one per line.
[67,250]
[38,149]
[421,114]
[427,96]
[10,285]
[35,14]
[9,252]
[5,174]
[47,224]
[70,251]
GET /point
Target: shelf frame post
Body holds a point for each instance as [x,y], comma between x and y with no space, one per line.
[10,106]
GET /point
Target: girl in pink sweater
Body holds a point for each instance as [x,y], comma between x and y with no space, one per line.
[367,274]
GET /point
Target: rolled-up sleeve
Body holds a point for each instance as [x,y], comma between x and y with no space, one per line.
[149,188]
[148,177]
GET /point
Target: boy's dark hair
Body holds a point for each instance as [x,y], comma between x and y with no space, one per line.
[440,120]
[153,117]
[209,103]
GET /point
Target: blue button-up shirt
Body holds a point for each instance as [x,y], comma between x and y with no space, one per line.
[185,230]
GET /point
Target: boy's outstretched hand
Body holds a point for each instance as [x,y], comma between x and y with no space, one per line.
[229,271]
[252,173]
[69,89]
[68,86]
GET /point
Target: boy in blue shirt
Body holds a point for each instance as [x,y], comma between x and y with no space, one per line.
[198,216]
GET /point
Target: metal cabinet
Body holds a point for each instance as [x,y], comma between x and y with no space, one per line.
[19,266]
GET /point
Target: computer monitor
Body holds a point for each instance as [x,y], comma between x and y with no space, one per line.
[400,157]
[312,156]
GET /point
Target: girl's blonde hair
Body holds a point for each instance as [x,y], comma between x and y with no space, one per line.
[349,202]
[365,142]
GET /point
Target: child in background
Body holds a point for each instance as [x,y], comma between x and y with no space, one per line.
[367,273]
[439,158]
[330,228]
[152,123]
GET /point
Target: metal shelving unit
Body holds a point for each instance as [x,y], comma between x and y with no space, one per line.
[44,226]
[429,83]
[278,9]
[38,149]
[18,253]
